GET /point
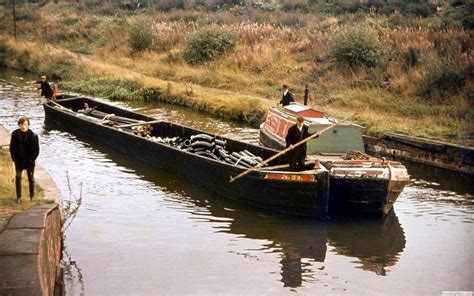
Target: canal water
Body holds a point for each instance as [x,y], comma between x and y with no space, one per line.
[142,231]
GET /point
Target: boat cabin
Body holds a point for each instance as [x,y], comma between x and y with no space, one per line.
[343,138]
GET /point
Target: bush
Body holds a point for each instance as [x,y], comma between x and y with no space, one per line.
[60,70]
[113,89]
[140,36]
[411,57]
[3,53]
[81,48]
[443,80]
[423,8]
[24,61]
[208,45]
[357,47]
[446,46]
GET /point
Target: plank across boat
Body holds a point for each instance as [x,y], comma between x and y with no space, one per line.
[358,182]
[274,188]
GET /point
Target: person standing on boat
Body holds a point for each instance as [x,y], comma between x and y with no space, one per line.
[46,90]
[297,155]
[287,97]
[24,149]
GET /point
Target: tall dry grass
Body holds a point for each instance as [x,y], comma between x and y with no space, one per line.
[273,48]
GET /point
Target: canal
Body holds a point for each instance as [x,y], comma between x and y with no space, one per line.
[142,231]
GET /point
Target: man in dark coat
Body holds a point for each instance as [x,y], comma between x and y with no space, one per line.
[295,134]
[46,90]
[24,149]
[287,97]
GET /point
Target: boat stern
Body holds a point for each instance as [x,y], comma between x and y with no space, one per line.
[365,186]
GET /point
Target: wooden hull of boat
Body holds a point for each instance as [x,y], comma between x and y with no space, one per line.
[269,190]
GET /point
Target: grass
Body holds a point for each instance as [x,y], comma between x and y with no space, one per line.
[90,52]
[8,204]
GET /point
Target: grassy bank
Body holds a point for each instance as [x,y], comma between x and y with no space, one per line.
[8,204]
[411,75]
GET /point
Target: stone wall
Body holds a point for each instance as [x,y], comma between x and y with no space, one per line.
[31,243]
[30,251]
[435,153]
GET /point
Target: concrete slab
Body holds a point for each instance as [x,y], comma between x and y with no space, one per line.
[28,219]
[44,207]
[19,275]
[20,241]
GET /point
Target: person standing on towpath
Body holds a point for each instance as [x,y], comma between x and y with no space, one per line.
[24,149]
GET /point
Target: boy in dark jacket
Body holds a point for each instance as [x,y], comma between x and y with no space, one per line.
[287,96]
[24,149]
[46,90]
[297,155]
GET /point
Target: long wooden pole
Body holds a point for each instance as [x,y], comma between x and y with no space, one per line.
[232,179]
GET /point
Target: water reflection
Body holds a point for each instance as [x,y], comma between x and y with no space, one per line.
[377,244]
[301,243]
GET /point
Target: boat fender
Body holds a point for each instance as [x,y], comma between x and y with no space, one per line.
[220,142]
[244,164]
[237,161]
[202,137]
[240,157]
[228,160]
[187,143]
[208,154]
[253,156]
[202,144]
[246,158]
[200,149]
[222,153]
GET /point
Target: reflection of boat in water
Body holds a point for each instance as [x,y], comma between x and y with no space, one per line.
[296,239]
[376,243]
[301,243]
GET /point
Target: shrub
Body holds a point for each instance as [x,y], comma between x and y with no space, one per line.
[443,80]
[446,46]
[208,45]
[289,5]
[60,70]
[411,57]
[23,60]
[423,8]
[167,5]
[81,48]
[114,89]
[3,53]
[140,36]
[357,47]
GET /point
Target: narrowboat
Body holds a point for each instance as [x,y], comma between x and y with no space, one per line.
[359,183]
[273,187]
